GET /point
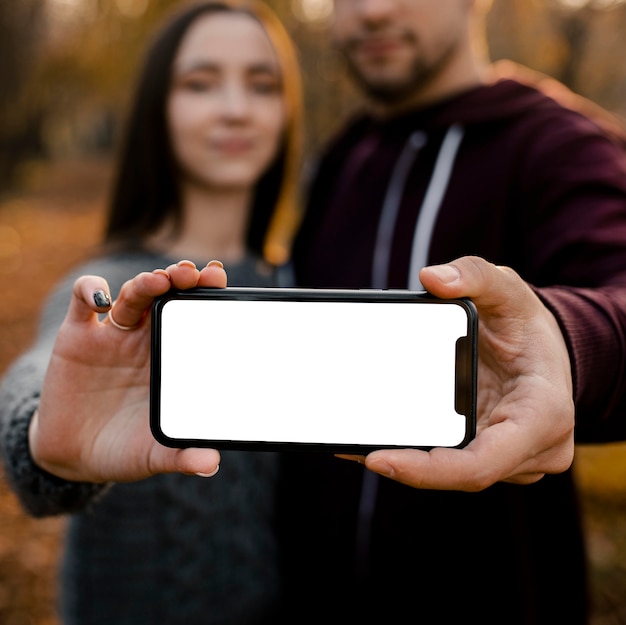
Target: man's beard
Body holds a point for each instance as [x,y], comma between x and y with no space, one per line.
[401,89]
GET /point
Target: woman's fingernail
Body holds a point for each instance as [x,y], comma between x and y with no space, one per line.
[217,468]
[187,263]
[162,272]
[215,263]
[101,299]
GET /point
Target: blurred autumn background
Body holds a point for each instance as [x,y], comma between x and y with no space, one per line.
[65,71]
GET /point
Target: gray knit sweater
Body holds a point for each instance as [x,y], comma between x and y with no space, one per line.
[170,549]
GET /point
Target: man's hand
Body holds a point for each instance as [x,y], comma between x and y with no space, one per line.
[525,398]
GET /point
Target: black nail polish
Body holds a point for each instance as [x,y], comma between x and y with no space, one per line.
[101,298]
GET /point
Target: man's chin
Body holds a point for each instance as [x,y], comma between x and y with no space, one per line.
[379,86]
[386,92]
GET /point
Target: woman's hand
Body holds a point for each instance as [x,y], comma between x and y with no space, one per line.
[525,400]
[93,419]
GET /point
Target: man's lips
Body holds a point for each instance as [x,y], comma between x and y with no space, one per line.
[377,47]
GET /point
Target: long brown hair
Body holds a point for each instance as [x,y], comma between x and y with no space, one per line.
[145,191]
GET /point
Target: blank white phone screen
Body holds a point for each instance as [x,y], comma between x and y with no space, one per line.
[362,373]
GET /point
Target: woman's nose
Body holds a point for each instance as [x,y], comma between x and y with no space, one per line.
[235,101]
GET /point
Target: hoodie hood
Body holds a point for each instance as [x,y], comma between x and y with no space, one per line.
[513,90]
[432,184]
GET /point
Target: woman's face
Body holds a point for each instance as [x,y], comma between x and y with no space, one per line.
[225,110]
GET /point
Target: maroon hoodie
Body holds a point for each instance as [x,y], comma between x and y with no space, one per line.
[531,185]
[506,173]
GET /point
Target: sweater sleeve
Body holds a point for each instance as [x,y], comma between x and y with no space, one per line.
[39,492]
[575,202]
[593,322]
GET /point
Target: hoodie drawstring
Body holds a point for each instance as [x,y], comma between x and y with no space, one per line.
[428,212]
[432,203]
[419,256]
[391,205]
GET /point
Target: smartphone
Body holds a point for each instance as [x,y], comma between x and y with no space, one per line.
[345,371]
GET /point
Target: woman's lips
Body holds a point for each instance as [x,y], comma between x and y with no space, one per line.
[233,146]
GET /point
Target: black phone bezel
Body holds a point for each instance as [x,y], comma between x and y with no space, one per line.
[466,374]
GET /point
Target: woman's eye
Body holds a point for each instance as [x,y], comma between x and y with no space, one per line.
[195,82]
[265,87]
[197,85]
